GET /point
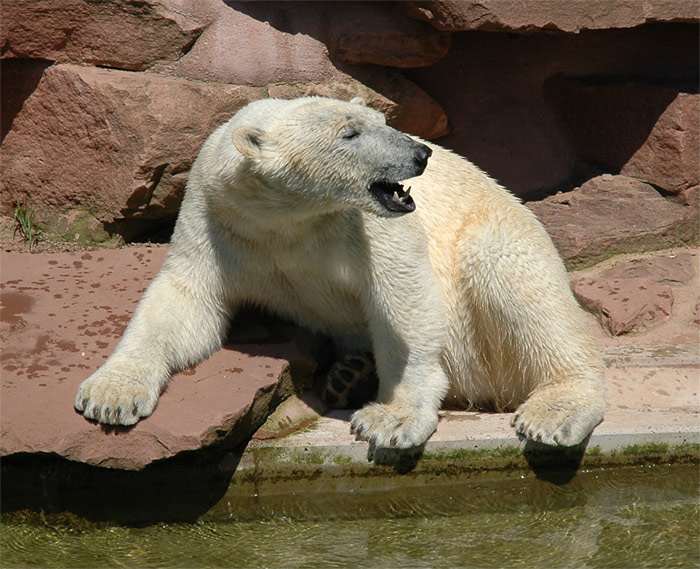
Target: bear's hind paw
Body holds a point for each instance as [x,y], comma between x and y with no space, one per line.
[350,382]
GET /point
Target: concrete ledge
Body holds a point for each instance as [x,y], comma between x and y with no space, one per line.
[652,398]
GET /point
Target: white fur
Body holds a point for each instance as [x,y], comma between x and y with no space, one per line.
[465,298]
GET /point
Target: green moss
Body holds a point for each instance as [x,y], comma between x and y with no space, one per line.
[80,226]
[342,460]
[499,458]
[646,448]
[687,448]
[594,451]
[655,449]
[461,455]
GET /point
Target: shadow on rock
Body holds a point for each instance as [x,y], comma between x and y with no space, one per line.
[179,489]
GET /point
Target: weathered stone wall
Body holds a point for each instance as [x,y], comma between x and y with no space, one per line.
[105,104]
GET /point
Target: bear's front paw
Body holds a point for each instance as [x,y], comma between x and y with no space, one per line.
[556,422]
[110,397]
[393,425]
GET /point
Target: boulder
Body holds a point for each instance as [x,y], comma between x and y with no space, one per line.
[613,214]
[254,43]
[625,305]
[116,143]
[63,314]
[500,94]
[19,78]
[646,131]
[668,158]
[636,294]
[109,34]
[530,16]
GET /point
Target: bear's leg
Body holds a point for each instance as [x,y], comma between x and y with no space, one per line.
[175,325]
[545,349]
[412,382]
[407,323]
[350,382]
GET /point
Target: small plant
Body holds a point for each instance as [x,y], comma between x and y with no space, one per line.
[25,222]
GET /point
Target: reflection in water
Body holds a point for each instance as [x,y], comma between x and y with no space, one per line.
[621,517]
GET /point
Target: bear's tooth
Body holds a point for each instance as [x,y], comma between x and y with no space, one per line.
[396,197]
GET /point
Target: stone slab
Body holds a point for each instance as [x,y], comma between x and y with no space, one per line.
[63,314]
[647,403]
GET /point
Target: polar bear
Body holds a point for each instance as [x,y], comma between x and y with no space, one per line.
[316,210]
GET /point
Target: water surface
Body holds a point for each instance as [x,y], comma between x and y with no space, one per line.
[643,516]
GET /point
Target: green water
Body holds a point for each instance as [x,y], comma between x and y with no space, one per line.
[643,516]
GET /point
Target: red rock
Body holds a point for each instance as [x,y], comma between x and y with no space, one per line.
[236,48]
[62,315]
[613,214]
[406,106]
[19,78]
[677,269]
[377,33]
[250,44]
[529,16]
[642,130]
[498,91]
[691,197]
[117,142]
[669,156]
[109,34]
[625,305]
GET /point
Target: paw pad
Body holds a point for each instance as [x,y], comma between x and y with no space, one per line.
[350,382]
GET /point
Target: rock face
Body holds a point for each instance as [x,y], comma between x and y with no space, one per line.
[108,34]
[62,316]
[660,143]
[510,114]
[132,143]
[392,40]
[104,104]
[613,214]
[530,16]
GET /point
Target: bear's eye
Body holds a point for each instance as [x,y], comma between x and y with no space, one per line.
[349,132]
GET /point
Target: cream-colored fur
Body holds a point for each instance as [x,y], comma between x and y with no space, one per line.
[464,299]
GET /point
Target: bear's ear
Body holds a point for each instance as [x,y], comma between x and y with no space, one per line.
[248,141]
[359,101]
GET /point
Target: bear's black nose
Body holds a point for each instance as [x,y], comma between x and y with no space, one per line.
[421,156]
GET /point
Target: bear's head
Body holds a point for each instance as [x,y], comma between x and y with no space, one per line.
[321,155]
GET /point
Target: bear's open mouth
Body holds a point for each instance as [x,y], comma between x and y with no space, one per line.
[393,196]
